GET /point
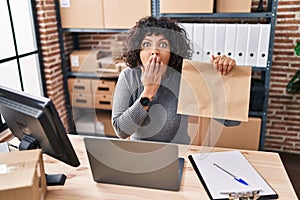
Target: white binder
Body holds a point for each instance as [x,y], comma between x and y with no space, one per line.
[198,42]
[263,45]
[208,43]
[189,28]
[230,36]
[219,39]
[252,48]
[241,43]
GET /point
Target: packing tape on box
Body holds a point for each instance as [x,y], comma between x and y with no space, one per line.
[12,167]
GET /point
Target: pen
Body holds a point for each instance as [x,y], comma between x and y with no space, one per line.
[235,178]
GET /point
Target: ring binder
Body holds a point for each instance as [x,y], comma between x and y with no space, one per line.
[243,195]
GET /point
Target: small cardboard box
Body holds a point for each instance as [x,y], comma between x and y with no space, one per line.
[124,14]
[83,100]
[233,6]
[84,60]
[86,124]
[207,132]
[79,85]
[103,86]
[244,136]
[82,14]
[104,118]
[187,6]
[108,64]
[103,101]
[22,175]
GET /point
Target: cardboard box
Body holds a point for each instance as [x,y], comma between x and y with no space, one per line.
[103,86]
[86,124]
[207,132]
[104,118]
[22,175]
[233,6]
[95,124]
[108,64]
[83,100]
[79,85]
[82,14]
[187,6]
[194,131]
[124,14]
[103,101]
[84,60]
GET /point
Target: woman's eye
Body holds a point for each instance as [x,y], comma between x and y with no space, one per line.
[146,44]
[163,45]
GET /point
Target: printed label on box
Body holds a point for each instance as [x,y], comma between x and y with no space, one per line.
[75,61]
[65,3]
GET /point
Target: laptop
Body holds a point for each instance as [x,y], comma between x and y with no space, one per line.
[135,163]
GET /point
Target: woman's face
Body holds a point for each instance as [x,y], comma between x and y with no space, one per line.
[155,45]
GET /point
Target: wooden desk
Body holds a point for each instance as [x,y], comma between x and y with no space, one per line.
[80,185]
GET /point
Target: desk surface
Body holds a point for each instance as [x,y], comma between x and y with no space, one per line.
[80,184]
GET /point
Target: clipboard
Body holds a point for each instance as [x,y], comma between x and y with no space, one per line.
[219,185]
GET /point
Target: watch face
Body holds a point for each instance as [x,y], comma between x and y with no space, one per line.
[145,101]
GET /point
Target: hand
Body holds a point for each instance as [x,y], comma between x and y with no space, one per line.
[152,74]
[223,64]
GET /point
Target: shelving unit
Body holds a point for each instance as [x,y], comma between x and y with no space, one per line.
[65,68]
[269,16]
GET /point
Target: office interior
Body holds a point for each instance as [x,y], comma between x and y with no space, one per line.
[70,52]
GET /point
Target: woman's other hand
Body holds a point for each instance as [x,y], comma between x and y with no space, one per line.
[223,64]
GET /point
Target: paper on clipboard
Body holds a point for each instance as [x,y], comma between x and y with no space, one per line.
[203,92]
[216,182]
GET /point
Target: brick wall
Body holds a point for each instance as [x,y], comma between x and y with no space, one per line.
[51,55]
[283,126]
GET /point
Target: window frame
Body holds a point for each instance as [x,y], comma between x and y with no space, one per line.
[18,56]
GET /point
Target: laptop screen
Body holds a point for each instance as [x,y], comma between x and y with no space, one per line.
[135,163]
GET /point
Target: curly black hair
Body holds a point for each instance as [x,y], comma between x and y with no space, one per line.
[176,35]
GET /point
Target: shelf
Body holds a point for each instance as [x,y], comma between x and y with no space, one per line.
[268,17]
[89,30]
[93,75]
[256,113]
[222,15]
[260,68]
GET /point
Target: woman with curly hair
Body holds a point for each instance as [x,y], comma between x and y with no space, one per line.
[146,95]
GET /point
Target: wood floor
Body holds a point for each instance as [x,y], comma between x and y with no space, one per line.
[291,163]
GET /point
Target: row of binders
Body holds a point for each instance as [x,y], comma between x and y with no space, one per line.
[248,44]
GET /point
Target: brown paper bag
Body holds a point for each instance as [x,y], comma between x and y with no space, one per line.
[204,92]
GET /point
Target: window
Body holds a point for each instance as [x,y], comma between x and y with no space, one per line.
[20,65]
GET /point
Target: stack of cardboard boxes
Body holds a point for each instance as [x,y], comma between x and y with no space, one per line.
[100,14]
[205,6]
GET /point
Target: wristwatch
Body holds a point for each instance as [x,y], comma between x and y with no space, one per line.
[145,101]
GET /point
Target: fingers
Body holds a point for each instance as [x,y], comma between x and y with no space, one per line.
[232,64]
[154,70]
[151,66]
[223,64]
[156,65]
[212,58]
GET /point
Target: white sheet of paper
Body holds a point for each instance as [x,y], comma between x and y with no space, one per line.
[4,148]
[218,181]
